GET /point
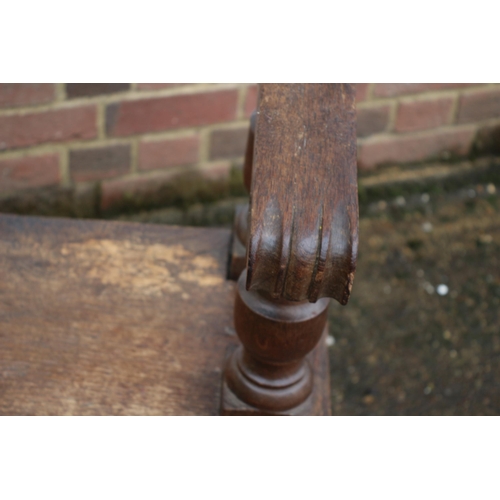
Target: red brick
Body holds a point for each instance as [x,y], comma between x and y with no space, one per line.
[372,120]
[14,95]
[166,113]
[251,100]
[478,106]
[407,149]
[29,172]
[361,91]
[74,90]
[158,86]
[17,131]
[99,163]
[397,89]
[168,153]
[422,115]
[230,143]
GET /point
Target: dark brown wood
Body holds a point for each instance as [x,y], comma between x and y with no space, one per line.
[304,208]
[248,164]
[238,251]
[301,245]
[318,403]
[269,373]
[111,318]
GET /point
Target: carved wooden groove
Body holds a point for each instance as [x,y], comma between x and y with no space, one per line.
[303,207]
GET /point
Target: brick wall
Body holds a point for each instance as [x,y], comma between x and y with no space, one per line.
[122,144]
[400,123]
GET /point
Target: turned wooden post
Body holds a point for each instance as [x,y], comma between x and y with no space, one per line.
[301,244]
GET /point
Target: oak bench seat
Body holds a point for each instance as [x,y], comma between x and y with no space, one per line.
[114,318]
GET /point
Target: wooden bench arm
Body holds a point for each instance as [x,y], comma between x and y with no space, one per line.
[303,228]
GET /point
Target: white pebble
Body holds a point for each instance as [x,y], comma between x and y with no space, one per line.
[485,239]
[427,227]
[330,341]
[425,198]
[400,201]
[442,289]
[491,189]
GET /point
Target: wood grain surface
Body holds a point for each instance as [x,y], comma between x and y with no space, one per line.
[304,205]
[109,318]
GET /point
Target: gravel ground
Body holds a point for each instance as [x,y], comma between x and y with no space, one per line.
[421,333]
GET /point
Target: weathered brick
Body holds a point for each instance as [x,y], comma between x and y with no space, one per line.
[477,106]
[115,192]
[228,143]
[423,114]
[80,201]
[29,172]
[74,90]
[165,188]
[361,91]
[372,120]
[397,89]
[174,112]
[17,131]
[14,95]
[168,153]
[216,171]
[158,86]
[99,163]
[251,100]
[407,149]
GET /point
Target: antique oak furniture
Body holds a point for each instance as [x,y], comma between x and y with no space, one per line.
[100,317]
